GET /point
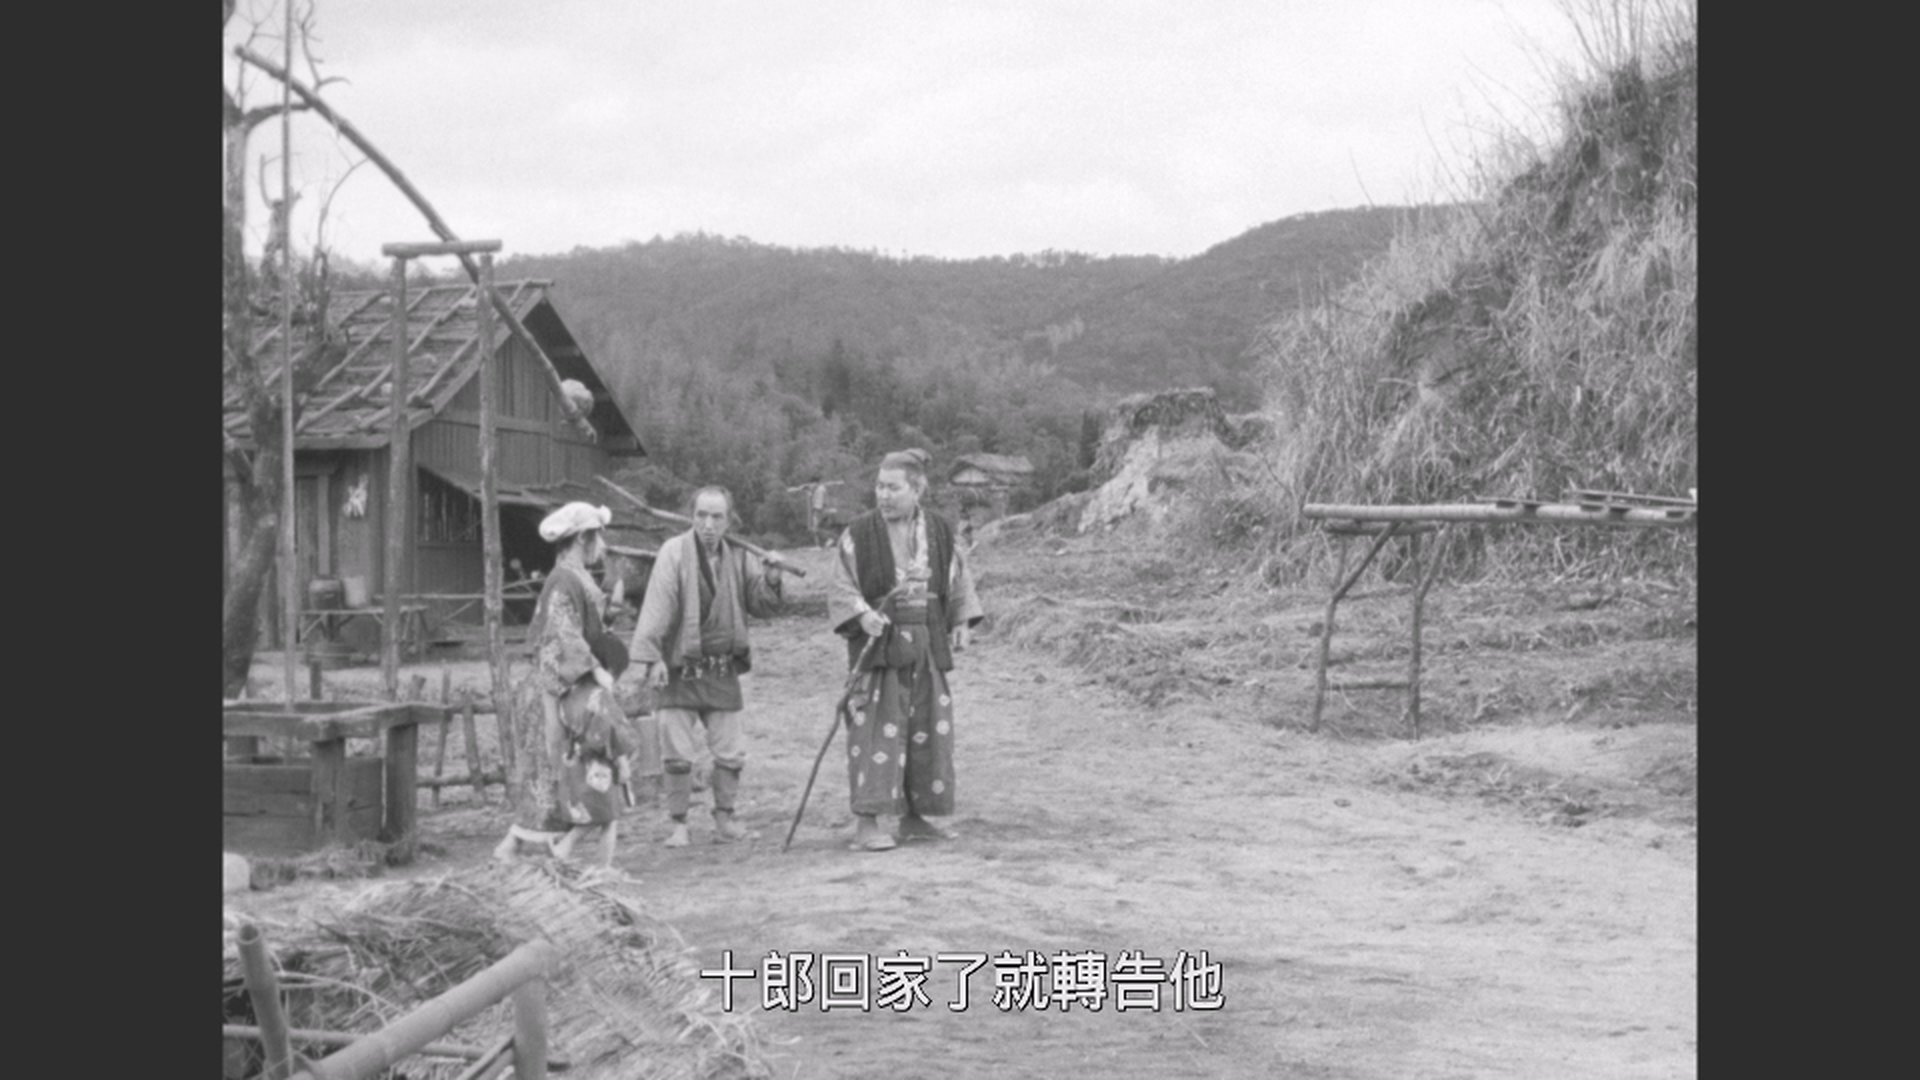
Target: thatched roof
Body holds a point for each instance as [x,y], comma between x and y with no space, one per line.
[996,468]
[347,404]
[626,1001]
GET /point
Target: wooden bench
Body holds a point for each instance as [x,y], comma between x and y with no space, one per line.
[305,803]
[328,623]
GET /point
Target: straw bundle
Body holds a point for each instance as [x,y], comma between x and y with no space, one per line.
[626,1000]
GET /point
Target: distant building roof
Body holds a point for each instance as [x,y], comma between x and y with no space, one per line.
[1006,466]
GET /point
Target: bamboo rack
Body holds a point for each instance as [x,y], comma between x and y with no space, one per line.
[1606,509]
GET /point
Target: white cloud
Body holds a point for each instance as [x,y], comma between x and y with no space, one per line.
[955,128]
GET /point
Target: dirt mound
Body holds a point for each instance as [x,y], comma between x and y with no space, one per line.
[1157,454]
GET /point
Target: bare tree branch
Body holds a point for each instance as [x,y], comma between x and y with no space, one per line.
[434,222]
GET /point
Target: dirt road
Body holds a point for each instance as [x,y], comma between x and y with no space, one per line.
[1375,907]
[1360,930]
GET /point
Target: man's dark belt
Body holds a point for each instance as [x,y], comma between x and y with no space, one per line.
[910,614]
[706,667]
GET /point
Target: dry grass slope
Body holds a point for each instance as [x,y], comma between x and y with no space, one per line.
[1544,341]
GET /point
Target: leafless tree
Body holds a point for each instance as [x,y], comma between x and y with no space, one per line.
[255,447]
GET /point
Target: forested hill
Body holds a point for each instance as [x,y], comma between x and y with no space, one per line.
[763,367]
[1114,324]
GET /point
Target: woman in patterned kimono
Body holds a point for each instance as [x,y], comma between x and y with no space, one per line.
[568,695]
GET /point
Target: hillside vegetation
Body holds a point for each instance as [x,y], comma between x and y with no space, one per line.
[764,367]
[1548,339]
[1544,341]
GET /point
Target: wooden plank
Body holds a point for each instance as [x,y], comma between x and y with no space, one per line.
[1544,512]
[266,835]
[319,721]
[315,729]
[414,250]
[363,823]
[402,780]
[300,708]
[366,785]
[330,790]
[295,777]
[266,804]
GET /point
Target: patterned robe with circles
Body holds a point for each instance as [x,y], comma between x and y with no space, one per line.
[900,716]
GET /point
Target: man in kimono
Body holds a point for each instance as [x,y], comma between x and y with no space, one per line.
[691,642]
[901,583]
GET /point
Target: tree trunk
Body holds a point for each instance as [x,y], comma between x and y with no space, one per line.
[258,477]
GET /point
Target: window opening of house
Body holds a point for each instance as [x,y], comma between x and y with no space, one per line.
[448,515]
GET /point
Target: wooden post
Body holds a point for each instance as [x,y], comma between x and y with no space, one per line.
[509,753]
[314,686]
[289,568]
[403,781]
[530,1030]
[377,1051]
[446,725]
[1422,582]
[490,521]
[263,988]
[1413,658]
[331,792]
[471,734]
[399,492]
[1326,625]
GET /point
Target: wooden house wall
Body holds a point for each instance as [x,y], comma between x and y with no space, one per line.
[536,446]
[535,443]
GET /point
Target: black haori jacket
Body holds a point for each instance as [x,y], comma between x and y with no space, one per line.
[873,558]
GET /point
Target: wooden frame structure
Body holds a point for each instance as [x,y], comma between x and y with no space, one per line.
[1587,508]
[520,976]
[325,727]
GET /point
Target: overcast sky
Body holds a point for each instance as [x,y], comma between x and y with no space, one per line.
[954,128]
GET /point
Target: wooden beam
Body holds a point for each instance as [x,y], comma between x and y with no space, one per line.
[440,247]
[399,489]
[491,557]
[1559,513]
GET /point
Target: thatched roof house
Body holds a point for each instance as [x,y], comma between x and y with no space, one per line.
[983,483]
[341,437]
[990,470]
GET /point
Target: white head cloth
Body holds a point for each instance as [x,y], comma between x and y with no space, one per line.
[572,518]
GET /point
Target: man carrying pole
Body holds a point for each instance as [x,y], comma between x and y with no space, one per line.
[691,642]
[900,738]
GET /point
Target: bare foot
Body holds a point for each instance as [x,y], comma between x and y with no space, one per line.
[679,835]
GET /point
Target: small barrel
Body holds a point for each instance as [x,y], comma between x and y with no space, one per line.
[326,594]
